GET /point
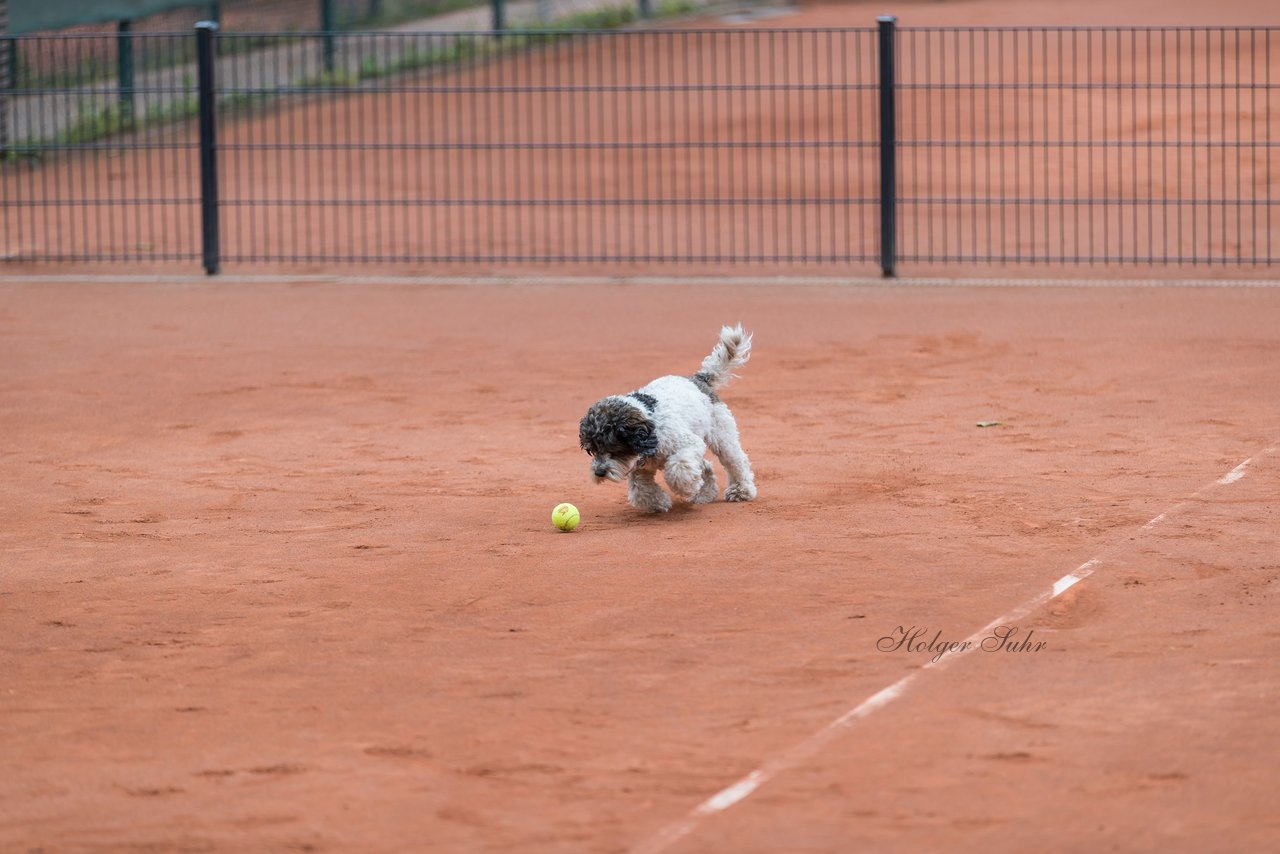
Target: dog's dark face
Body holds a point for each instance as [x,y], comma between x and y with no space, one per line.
[618,436]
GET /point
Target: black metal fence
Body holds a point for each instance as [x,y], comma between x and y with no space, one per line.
[1152,145]
[848,148]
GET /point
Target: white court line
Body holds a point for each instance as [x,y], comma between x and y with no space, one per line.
[1235,474]
[742,789]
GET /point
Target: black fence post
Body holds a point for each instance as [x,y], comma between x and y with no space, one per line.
[646,8]
[210,244]
[327,27]
[888,147]
[8,74]
[499,15]
[124,70]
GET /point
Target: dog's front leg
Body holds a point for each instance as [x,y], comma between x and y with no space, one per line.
[644,493]
[684,471]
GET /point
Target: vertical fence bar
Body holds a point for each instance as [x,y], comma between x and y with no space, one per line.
[888,147]
[124,70]
[328,46]
[210,248]
[646,8]
[499,15]
[8,74]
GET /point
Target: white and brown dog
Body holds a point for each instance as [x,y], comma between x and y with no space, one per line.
[668,426]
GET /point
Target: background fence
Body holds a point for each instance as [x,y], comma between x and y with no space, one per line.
[1148,145]
[117,56]
[846,147]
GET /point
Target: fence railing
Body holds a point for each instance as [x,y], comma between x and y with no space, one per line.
[849,148]
[1152,145]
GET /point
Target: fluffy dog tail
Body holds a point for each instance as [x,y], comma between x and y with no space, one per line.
[731,351]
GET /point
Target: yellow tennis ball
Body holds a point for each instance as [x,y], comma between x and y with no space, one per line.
[565,517]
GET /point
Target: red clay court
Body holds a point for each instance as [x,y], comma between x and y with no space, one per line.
[277,570]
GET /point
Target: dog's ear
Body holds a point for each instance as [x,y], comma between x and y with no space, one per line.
[638,432]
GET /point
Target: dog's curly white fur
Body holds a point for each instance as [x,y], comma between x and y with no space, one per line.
[667,427]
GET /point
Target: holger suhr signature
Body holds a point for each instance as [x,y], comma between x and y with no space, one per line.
[918,639]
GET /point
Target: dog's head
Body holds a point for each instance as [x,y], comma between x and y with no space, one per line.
[618,436]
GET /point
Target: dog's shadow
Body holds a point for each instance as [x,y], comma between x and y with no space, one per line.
[626,516]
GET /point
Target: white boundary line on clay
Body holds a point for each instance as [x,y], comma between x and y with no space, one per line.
[743,788]
[452,280]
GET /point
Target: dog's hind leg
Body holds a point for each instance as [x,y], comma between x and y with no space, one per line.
[725,445]
[644,493]
[710,490]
